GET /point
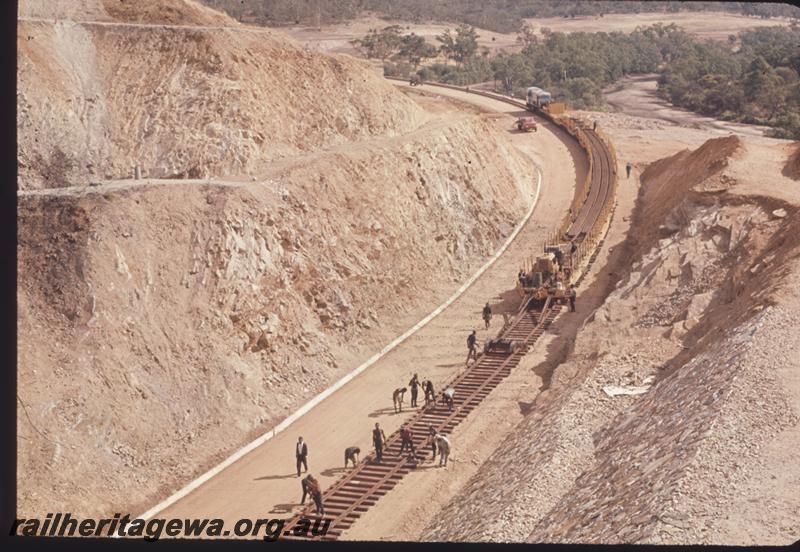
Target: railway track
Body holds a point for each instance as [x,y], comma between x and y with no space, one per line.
[361,488]
[347,499]
[601,186]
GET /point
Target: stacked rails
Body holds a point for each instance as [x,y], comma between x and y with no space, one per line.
[352,495]
[602,176]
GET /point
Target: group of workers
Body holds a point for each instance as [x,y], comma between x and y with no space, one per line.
[398,395]
[438,442]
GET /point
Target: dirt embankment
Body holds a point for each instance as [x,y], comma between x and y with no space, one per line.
[707,281]
[792,167]
[170,12]
[184,102]
[163,323]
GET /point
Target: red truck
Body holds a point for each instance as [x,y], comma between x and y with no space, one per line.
[526,124]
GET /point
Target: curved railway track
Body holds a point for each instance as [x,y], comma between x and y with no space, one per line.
[602,175]
[361,487]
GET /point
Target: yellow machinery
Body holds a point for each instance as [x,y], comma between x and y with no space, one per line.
[549,274]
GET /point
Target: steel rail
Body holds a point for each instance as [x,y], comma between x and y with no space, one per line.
[361,488]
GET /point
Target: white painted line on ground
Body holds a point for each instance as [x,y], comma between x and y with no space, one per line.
[339,384]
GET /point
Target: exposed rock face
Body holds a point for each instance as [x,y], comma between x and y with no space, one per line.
[151,311]
[205,98]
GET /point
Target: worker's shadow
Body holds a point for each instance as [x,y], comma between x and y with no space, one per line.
[421,467]
[382,412]
[330,472]
[509,303]
[271,477]
[283,508]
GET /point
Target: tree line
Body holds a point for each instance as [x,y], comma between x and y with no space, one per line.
[754,77]
[505,16]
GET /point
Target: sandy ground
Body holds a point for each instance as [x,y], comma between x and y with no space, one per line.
[275,273]
[717,26]
[636,96]
[704,25]
[264,481]
[532,474]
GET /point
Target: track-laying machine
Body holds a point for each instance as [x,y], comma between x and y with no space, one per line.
[548,276]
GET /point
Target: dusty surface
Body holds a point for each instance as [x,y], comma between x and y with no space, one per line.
[713,25]
[184,101]
[421,494]
[184,317]
[708,296]
[265,477]
[717,26]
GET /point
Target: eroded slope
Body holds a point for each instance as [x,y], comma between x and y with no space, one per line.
[95,100]
[705,281]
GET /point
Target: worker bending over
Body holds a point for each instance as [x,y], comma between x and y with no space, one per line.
[351,455]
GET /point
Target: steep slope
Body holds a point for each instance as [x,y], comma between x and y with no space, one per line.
[164,322]
[184,101]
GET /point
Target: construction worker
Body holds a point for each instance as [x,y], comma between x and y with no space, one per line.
[414,384]
[431,438]
[447,397]
[378,439]
[406,439]
[316,495]
[471,345]
[304,483]
[571,294]
[397,399]
[430,395]
[487,314]
[301,455]
[628,169]
[443,444]
[351,455]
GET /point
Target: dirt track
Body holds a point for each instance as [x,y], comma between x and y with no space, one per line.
[264,482]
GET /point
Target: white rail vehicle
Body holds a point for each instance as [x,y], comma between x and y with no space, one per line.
[537,98]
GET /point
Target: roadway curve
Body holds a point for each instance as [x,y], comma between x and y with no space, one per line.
[263,484]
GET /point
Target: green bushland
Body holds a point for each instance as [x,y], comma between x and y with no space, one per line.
[754,77]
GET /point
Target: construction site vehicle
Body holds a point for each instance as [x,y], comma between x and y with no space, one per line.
[501,346]
[549,275]
[526,124]
[537,98]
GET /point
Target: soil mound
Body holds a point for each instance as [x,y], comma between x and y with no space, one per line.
[670,179]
